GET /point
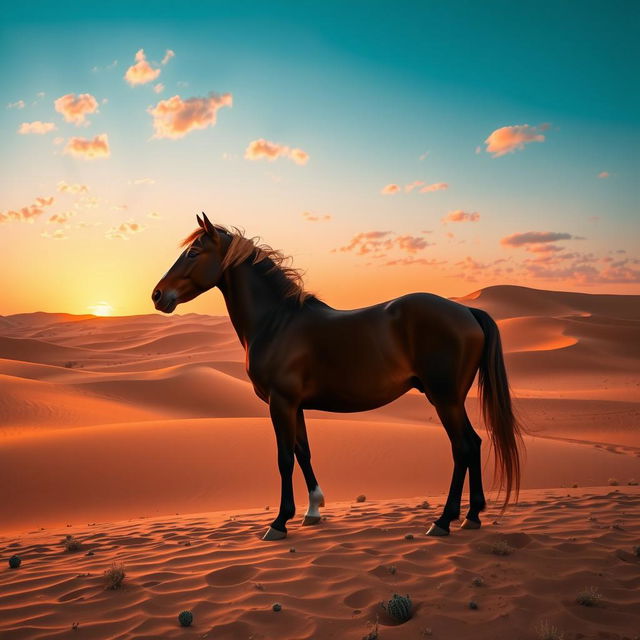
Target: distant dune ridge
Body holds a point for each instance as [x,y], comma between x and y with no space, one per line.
[109,418]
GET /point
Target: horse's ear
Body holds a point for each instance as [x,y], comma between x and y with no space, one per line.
[200,223]
[205,223]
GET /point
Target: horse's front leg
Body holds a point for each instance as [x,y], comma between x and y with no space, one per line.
[303,455]
[283,415]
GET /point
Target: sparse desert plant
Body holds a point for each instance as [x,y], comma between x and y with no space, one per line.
[574,485]
[636,550]
[589,597]
[71,544]
[473,605]
[392,569]
[478,581]
[114,576]
[424,505]
[15,562]
[373,631]
[277,607]
[613,482]
[361,498]
[502,548]
[633,482]
[70,364]
[185,618]
[546,631]
[399,607]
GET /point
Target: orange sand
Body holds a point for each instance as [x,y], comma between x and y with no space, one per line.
[104,419]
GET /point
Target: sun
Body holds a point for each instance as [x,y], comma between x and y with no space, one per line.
[101,309]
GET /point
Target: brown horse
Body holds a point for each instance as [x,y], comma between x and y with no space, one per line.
[303,354]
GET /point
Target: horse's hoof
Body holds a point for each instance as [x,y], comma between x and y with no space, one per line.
[308,520]
[470,524]
[274,534]
[435,530]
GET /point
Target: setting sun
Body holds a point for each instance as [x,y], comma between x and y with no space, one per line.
[101,309]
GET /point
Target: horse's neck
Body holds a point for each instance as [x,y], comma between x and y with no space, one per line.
[249,298]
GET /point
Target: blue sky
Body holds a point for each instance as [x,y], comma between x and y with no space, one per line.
[365,89]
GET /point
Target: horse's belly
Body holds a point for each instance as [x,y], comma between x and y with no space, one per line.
[351,400]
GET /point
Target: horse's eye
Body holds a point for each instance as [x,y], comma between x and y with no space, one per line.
[192,253]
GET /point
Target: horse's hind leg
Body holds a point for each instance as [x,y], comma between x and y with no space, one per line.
[303,455]
[477,502]
[453,418]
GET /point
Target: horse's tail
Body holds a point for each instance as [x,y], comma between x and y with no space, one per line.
[495,400]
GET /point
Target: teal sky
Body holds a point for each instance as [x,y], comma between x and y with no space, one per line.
[366,89]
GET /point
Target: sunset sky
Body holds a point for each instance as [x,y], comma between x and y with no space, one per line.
[388,147]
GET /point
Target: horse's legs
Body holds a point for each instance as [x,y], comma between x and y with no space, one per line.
[453,418]
[284,418]
[477,502]
[303,455]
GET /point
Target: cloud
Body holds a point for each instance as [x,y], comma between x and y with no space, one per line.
[461,216]
[36,127]
[89,149]
[603,174]
[124,230]
[534,237]
[158,88]
[58,140]
[153,214]
[509,139]
[376,241]
[436,186]
[141,72]
[175,117]
[423,156]
[310,217]
[168,55]
[405,262]
[58,234]
[412,185]
[63,187]
[142,181]
[390,189]
[18,104]
[75,108]
[62,217]
[264,149]
[28,213]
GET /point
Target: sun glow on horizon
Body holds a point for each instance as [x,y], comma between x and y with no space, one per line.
[101,309]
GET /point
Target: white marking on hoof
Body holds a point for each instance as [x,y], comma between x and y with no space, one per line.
[274,534]
[469,524]
[316,500]
[435,530]
[309,520]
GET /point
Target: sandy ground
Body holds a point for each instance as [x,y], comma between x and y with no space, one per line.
[108,419]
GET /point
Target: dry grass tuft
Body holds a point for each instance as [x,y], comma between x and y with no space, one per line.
[546,631]
[71,544]
[502,548]
[613,482]
[590,597]
[114,576]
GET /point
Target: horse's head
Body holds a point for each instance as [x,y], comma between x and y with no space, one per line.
[197,270]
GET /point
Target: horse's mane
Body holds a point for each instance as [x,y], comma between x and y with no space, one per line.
[242,248]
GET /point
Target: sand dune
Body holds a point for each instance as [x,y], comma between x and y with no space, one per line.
[330,579]
[104,419]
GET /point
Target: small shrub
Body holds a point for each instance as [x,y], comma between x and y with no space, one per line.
[409,536]
[15,562]
[361,498]
[424,505]
[477,581]
[373,633]
[392,569]
[502,548]
[114,576]
[71,544]
[574,485]
[473,605]
[70,364]
[185,618]
[546,631]
[636,550]
[277,607]
[399,607]
[589,597]
[613,482]
[632,482]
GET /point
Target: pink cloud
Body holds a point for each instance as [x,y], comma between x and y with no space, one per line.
[534,237]
[390,189]
[28,213]
[461,216]
[603,174]
[509,139]
[36,127]
[436,186]
[89,149]
[264,149]
[141,72]
[18,104]
[413,185]
[124,230]
[310,217]
[374,242]
[62,217]
[63,187]
[158,88]
[174,118]
[168,55]
[75,108]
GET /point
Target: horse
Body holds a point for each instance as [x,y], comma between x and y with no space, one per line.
[303,354]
